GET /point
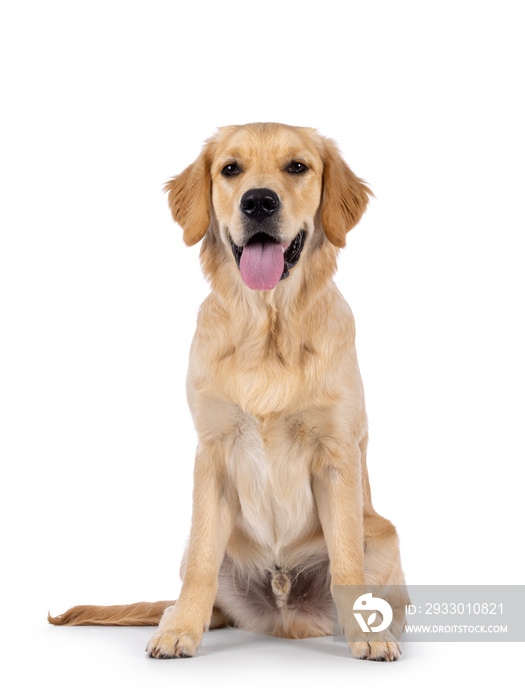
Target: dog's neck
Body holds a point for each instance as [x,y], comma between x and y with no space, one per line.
[264,348]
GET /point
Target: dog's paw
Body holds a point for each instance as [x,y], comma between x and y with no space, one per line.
[375,647]
[171,643]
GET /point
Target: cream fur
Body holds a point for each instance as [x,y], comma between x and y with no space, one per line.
[281,482]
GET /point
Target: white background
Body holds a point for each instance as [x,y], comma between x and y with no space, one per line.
[102,103]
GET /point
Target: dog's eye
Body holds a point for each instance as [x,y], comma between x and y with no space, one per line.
[231,169]
[296,167]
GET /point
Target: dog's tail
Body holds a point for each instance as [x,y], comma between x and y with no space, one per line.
[139,614]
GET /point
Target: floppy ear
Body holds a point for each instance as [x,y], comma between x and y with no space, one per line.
[344,198]
[190,198]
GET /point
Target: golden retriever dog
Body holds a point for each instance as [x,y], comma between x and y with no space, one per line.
[283,525]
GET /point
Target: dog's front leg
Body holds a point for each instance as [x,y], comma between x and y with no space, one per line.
[338,494]
[182,625]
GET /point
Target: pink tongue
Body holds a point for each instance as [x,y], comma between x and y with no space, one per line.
[262,264]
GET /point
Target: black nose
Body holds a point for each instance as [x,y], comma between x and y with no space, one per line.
[260,204]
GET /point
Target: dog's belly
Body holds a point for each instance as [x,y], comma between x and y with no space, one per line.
[272,478]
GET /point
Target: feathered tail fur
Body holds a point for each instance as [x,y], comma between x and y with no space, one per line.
[137,614]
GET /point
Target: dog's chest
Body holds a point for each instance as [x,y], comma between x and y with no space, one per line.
[272,477]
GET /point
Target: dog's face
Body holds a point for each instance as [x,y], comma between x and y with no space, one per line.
[264,184]
[266,190]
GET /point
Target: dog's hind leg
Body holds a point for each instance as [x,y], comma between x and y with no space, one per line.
[219,619]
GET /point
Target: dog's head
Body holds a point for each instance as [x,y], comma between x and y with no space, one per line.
[263,189]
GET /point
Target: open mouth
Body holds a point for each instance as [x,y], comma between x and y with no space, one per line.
[264,261]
